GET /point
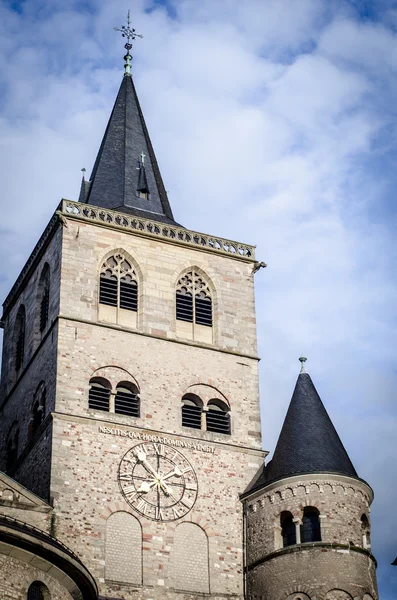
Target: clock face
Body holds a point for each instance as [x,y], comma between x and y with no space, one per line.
[158,482]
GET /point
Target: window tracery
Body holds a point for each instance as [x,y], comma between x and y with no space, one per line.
[118,283]
[194,299]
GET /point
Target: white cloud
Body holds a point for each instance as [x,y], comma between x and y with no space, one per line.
[273,124]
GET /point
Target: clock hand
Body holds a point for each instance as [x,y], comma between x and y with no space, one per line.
[141,456]
[176,471]
[146,486]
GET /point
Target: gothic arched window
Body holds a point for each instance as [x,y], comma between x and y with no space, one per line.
[44,297]
[288,529]
[127,400]
[12,445]
[218,417]
[193,300]
[38,410]
[38,591]
[19,338]
[365,531]
[310,528]
[118,283]
[99,394]
[192,410]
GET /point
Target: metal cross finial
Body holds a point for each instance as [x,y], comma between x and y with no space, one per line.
[303,359]
[130,33]
[143,156]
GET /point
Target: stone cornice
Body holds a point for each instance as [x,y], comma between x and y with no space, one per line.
[312,546]
[154,229]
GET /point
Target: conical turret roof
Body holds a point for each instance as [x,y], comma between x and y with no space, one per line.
[308,442]
[125,159]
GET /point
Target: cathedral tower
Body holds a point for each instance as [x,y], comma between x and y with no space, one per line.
[307,513]
[130,404]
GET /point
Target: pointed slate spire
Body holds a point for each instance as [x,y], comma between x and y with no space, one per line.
[118,173]
[308,442]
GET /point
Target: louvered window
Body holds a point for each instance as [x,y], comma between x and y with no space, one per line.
[98,397]
[288,529]
[191,414]
[118,284]
[45,297]
[218,419]
[310,528]
[193,300]
[127,402]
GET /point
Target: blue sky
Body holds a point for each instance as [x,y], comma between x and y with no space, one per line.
[275,123]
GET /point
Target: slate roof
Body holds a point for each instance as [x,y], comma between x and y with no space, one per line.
[119,172]
[308,441]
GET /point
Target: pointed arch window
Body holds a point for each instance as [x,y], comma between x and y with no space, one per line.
[19,338]
[310,528]
[44,297]
[38,410]
[192,410]
[218,417]
[193,300]
[99,394]
[118,284]
[127,400]
[288,529]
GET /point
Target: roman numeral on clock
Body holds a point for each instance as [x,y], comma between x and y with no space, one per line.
[159,514]
[159,449]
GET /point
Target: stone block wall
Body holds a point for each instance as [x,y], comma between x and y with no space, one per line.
[17,576]
[28,296]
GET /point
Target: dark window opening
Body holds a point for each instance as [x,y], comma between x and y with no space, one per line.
[38,410]
[192,410]
[218,418]
[193,300]
[38,591]
[108,290]
[310,528]
[118,285]
[184,307]
[128,294]
[288,529]
[19,338]
[203,311]
[127,401]
[98,396]
[45,297]
[365,530]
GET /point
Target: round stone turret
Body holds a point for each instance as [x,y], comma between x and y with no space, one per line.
[307,514]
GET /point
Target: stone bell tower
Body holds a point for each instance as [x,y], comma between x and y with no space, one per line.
[130,381]
[308,513]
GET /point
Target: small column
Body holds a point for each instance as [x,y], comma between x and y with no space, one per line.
[298,524]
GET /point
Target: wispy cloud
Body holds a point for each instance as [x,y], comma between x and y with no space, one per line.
[274,123]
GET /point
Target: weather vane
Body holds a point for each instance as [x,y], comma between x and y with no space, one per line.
[130,33]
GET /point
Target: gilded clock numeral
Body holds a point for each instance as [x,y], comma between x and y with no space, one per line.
[159,514]
[191,486]
[186,470]
[177,512]
[187,502]
[125,476]
[159,449]
[142,506]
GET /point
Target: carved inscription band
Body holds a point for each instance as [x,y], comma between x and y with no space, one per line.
[159,439]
